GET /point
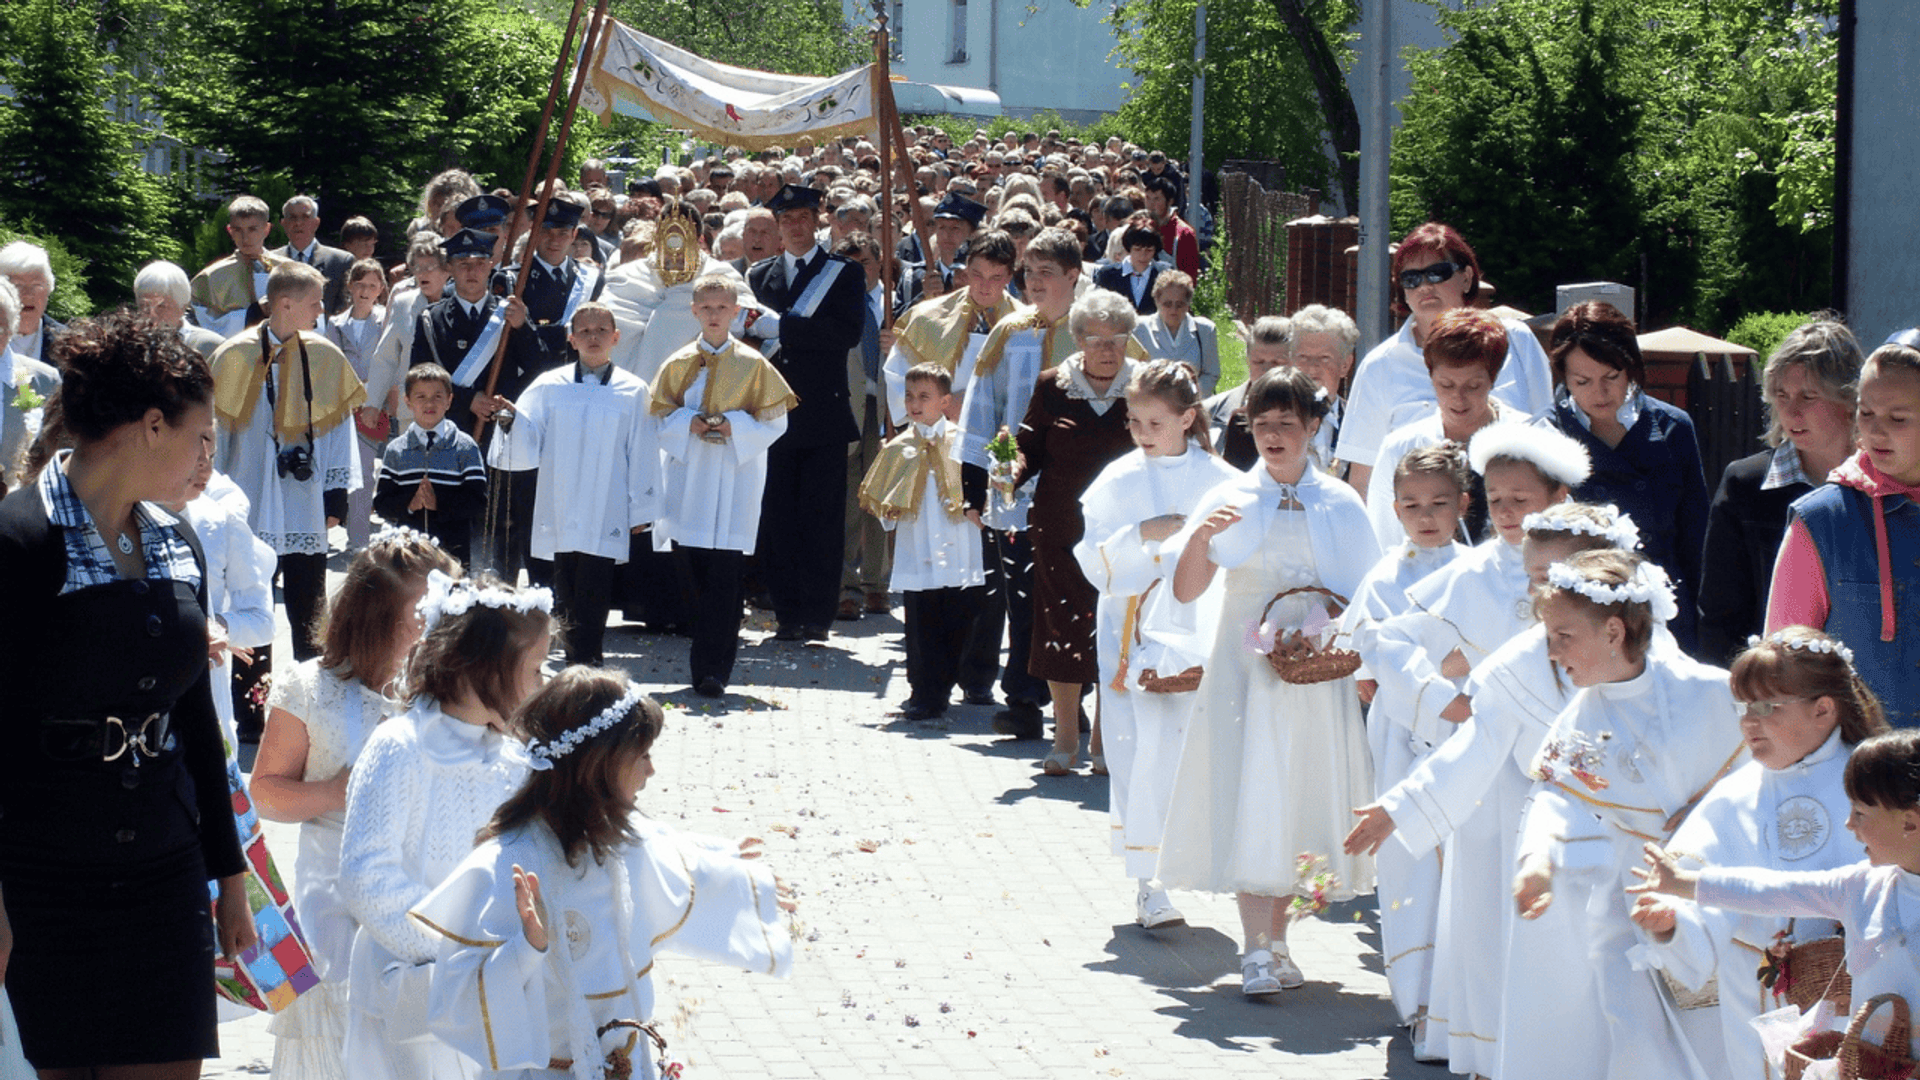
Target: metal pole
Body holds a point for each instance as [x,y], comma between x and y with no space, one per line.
[1376,35]
[1199,106]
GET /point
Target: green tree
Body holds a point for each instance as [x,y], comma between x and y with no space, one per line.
[1663,143]
[792,37]
[67,165]
[1276,84]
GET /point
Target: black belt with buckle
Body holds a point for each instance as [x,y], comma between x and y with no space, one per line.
[106,738]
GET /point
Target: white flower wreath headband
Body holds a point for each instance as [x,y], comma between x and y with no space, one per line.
[397,534]
[1622,533]
[1822,645]
[1649,586]
[447,598]
[542,755]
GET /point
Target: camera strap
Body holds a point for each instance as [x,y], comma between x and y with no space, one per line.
[273,406]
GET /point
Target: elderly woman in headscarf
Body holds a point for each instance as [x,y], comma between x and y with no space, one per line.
[1076,424]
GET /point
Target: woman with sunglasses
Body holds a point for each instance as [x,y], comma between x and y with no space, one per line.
[1646,460]
[1433,272]
[114,812]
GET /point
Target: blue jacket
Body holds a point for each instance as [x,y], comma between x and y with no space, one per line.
[1654,475]
[1886,648]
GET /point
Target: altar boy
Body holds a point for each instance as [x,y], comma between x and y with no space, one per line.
[914,489]
[585,426]
[720,405]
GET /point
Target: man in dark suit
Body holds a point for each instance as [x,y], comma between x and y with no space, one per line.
[1134,278]
[821,303]
[300,220]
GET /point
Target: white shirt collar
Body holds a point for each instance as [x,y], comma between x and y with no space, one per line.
[443,432]
[306,254]
[1628,415]
[713,350]
[793,262]
[551,268]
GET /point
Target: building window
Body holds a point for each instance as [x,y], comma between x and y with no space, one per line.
[899,28]
[957,33]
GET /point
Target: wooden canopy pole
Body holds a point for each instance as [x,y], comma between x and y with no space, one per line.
[880,77]
[589,42]
[886,114]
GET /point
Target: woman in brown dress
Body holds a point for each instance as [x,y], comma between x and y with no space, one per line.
[1076,425]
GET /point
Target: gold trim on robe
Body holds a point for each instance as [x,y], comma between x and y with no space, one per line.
[238,375]
[738,379]
[898,480]
[935,332]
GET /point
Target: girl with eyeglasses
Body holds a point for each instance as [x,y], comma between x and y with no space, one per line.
[1434,271]
[1804,709]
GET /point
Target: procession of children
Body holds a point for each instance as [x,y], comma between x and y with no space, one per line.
[1457,679]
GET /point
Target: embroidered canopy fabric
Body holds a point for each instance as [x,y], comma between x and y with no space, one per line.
[729,105]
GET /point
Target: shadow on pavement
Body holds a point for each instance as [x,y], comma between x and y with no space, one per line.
[1173,957]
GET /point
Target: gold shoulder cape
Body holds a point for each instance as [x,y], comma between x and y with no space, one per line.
[935,332]
[1055,345]
[225,285]
[894,486]
[741,379]
[238,375]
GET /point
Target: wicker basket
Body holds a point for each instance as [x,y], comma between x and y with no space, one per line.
[1859,1059]
[1183,683]
[1818,969]
[1302,664]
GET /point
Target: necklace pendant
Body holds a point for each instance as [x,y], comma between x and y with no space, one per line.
[125,544]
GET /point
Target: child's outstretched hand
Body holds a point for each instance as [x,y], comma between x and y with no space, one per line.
[750,847]
[526,898]
[1664,875]
[1655,916]
[785,895]
[1370,832]
[1533,887]
[1217,522]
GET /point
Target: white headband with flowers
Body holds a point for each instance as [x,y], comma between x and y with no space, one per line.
[1648,585]
[1622,533]
[447,598]
[542,755]
[396,534]
[1822,645]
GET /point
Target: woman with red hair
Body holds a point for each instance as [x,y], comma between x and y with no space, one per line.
[1434,271]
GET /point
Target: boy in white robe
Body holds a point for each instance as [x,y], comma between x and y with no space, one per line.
[287,439]
[587,428]
[719,405]
[914,489]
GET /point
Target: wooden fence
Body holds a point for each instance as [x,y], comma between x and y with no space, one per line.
[1255,220]
[1729,417]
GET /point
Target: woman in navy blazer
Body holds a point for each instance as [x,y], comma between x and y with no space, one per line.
[1646,460]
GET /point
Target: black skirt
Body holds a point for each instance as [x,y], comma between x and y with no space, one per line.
[113,969]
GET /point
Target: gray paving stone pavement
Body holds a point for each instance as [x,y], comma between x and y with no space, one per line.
[960,916]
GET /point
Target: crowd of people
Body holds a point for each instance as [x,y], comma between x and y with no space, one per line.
[1459,625]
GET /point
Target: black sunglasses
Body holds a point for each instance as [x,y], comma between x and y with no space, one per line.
[1428,275]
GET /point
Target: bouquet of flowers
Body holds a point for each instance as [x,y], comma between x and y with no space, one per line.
[1004,453]
[1314,882]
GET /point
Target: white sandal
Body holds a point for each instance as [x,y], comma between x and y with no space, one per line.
[1256,974]
[1153,910]
[1058,763]
[1288,972]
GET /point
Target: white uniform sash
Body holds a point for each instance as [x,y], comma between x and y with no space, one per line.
[477,357]
[816,290]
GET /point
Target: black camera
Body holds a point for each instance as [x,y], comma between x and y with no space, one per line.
[295,462]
